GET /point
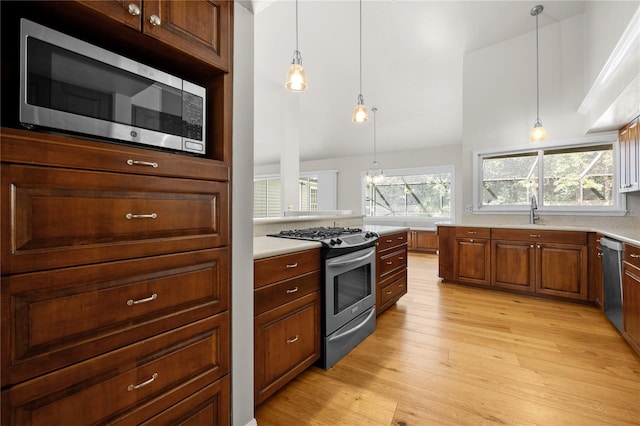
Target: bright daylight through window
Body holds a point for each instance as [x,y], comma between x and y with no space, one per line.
[416,193]
[574,178]
[267,196]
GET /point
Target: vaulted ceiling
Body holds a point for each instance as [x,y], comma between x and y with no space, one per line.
[412,62]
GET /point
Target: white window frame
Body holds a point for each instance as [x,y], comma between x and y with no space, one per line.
[411,171]
[619,200]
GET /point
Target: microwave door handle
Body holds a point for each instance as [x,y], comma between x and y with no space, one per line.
[349,262]
[353,330]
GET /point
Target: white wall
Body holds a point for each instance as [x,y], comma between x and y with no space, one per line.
[242,217]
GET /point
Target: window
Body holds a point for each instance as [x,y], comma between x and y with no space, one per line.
[416,193]
[570,178]
[316,191]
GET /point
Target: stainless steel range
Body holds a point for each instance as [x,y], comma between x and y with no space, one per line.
[349,261]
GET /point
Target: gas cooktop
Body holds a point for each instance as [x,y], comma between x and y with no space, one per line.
[331,236]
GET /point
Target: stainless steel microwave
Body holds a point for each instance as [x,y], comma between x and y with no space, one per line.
[72,86]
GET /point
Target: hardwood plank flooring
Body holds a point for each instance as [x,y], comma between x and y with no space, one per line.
[455,355]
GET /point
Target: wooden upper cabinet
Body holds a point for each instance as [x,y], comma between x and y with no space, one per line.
[629,152]
[199,28]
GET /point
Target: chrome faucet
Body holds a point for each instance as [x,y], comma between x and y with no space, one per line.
[532,214]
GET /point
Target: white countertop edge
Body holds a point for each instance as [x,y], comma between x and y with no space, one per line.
[274,246]
[286,219]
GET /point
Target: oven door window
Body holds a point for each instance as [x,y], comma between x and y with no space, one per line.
[63,80]
[350,287]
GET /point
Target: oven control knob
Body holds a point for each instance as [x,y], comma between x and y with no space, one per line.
[332,242]
[338,241]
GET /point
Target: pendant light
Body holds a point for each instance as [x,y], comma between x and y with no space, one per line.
[375,174]
[360,114]
[538,133]
[296,77]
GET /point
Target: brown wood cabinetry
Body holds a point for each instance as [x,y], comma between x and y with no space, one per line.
[631,295]
[287,331]
[629,170]
[595,269]
[471,255]
[553,263]
[446,247]
[98,305]
[199,28]
[423,241]
[391,269]
[115,260]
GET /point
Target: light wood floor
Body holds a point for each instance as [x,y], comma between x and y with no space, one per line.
[454,355]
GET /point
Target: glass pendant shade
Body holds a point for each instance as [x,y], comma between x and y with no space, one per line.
[296,77]
[375,174]
[538,133]
[360,114]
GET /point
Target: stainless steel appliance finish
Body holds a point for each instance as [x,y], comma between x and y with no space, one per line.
[612,280]
[72,86]
[348,294]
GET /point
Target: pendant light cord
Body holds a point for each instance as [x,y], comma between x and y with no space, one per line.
[537,75]
[375,152]
[297,25]
[360,47]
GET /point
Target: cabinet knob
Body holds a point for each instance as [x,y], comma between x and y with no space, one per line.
[155,20]
[538,246]
[133,9]
[599,254]
[531,246]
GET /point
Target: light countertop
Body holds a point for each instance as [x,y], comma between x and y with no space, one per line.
[384,230]
[274,246]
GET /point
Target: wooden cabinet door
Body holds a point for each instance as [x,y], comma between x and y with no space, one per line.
[562,270]
[594,292]
[287,341]
[513,265]
[446,243]
[197,27]
[631,304]
[423,241]
[472,261]
[127,12]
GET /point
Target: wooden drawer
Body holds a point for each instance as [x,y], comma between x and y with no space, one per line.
[209,406]
[535,235]
[150,375]
[632,254]
[277,268]
[391,240]
[287,341]
[55,318]
[396,287]
[467,232]
[26,147]
[53,218]
[392,262]
[273,295]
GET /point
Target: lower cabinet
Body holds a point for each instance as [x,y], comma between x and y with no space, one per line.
[423,241]
[631,296]
[595,269]
[552,263]
[471,256]
[287,305]
[391,269]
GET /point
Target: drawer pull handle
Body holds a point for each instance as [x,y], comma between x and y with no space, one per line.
[471,240]
[531,246]
[389,263]
[292,290]
[140,216]
[401,258]
[293,339]
[389,241]
[132,302]
[142,163]
[401,238]
[472,232]
[389,292]
[635,256]
[599,254]
[292,265]
[143,384]
[534,235]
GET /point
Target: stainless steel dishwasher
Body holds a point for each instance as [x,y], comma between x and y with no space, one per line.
[612,280]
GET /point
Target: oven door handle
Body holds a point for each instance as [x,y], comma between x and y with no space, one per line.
[353,330]
[349,262]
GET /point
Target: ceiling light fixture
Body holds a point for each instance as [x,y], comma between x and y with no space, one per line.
[375,174]
[538,133]
[296,77]
[360,114]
